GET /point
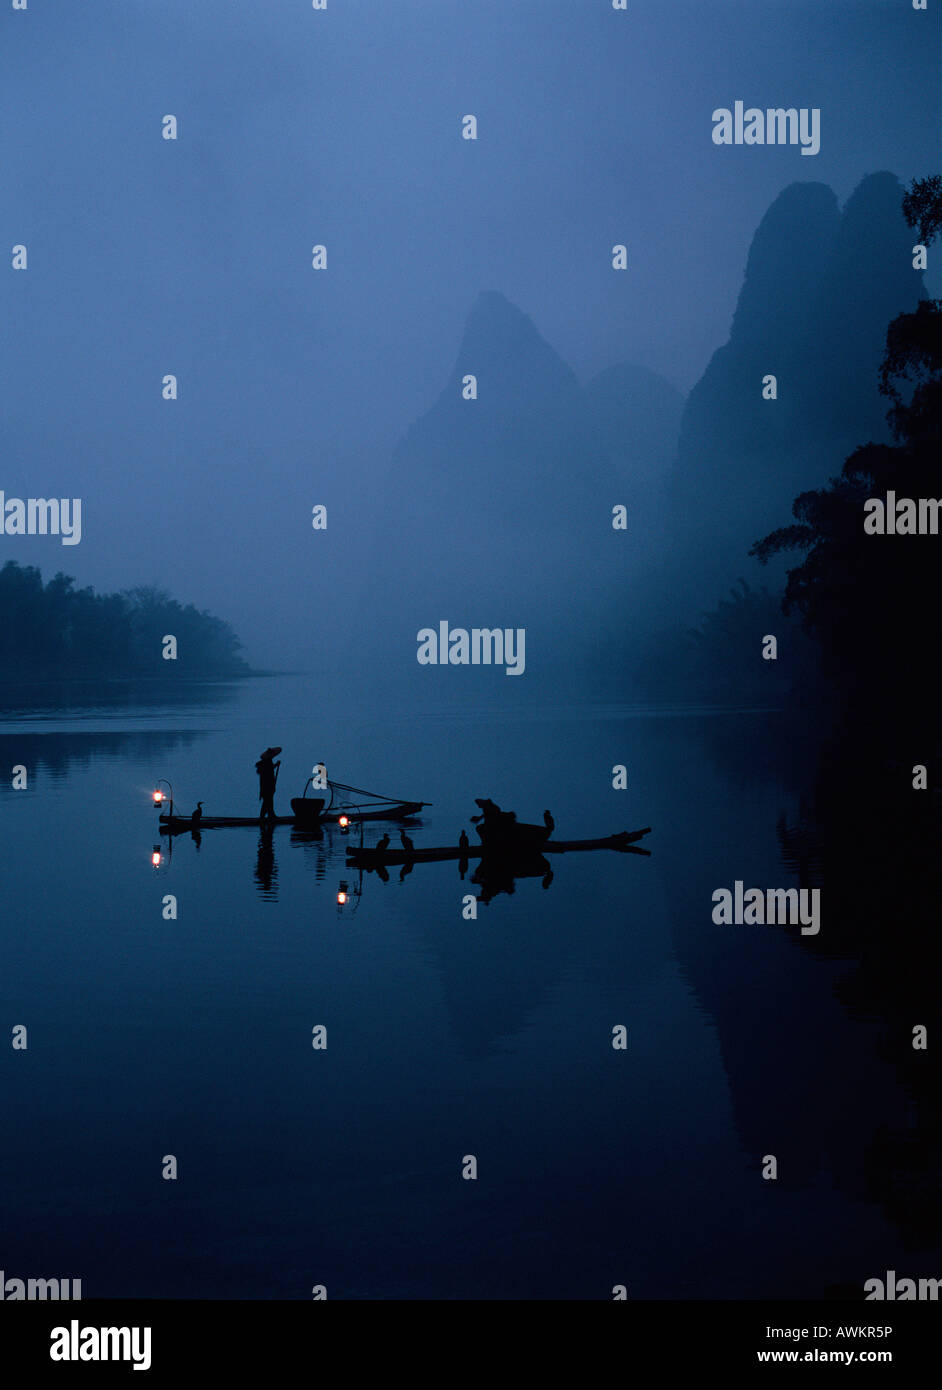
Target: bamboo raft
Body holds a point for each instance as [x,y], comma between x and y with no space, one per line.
[404,810]
[367,858]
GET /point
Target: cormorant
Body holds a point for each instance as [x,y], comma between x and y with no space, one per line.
[197,815]
[407,844]
[383,844]
[548,821]
[463,841]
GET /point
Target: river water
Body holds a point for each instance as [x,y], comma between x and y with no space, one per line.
[446,1037]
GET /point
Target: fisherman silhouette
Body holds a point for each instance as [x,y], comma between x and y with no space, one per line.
[383,844]
[407,844]
[267,770]
[493,817]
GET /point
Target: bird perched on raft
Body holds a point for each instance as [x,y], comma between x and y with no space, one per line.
[383,843]
[407,844]
[197,815]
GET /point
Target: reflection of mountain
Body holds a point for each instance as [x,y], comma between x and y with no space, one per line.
[499,508]
[59,754]
[498,971]
[821,287]
[495,971]
[31,697]
[884,925]
[816,1032]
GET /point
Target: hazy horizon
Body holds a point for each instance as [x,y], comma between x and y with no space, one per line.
[342,127]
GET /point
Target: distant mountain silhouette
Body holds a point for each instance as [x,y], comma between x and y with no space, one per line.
[638,414]
[821,287]
[513,461]
[499,509]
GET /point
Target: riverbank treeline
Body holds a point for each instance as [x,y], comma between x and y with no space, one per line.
[57,629]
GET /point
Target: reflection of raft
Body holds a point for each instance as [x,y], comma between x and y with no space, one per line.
[175,824]
[624,842]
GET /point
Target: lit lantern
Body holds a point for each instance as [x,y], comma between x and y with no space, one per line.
[159,797]
[341,898]
[343,822]
[155,857]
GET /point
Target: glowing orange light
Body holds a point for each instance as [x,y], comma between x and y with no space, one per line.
[344,821]
[155,859]
[341,898]
[158,797]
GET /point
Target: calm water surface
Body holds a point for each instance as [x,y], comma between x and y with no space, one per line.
[446,1037]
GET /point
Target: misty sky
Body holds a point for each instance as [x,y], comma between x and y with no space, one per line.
[343,127]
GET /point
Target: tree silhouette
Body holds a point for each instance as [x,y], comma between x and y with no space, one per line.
[922,207]
[864,596]
[56,629]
